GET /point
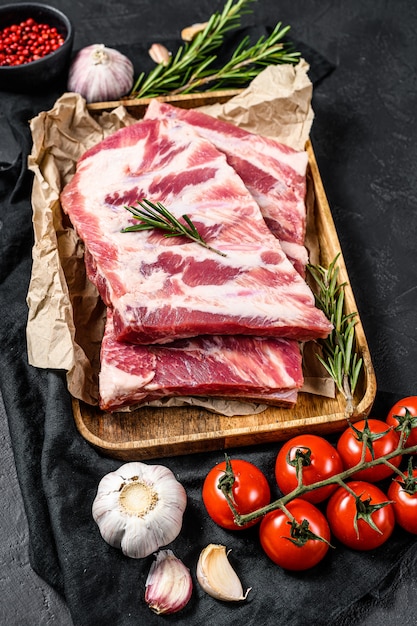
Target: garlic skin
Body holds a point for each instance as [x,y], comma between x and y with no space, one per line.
[139,508]
[217,577]
[169,584]
[100,74]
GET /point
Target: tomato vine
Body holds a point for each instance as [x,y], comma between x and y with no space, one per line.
[339,479]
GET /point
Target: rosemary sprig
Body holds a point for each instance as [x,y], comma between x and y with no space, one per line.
[193,65]
[152,216]
[245,63]
[339,356]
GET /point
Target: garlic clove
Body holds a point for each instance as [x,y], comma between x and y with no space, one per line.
[113,529]
[168,585]
[217,577]
[159,54]
[188,33]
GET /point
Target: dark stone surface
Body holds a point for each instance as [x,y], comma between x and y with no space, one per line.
[364,135]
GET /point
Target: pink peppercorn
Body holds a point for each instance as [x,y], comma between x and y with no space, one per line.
[27,41]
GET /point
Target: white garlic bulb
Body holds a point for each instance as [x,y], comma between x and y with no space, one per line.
[139,508]
[169,584]
[100,74]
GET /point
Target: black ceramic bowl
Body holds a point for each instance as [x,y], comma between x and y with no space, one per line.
[33,76]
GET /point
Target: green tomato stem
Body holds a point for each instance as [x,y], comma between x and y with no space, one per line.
[302,489]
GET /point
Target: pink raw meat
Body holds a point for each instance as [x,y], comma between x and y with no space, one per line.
[161,288]
[274,174]
[252,368]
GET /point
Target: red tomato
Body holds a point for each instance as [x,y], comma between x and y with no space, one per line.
[342,510]
[398,411]
[350,446]
[250,492]
[405,502]
[276,539]
[323,462]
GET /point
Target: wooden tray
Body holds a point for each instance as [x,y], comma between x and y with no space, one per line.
[159,432]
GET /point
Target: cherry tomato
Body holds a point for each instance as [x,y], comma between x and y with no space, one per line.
[403,492]
[399,410]
[250,492]
[278,543]
[320,460]
[350,447]
[342,511]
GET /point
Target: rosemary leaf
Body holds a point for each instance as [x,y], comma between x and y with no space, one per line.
[156,216]
[356,369]
[193,66]
[339,357]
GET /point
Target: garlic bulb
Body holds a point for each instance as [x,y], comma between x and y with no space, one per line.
[168,585]
[100,74]
[217,577]
[139,508]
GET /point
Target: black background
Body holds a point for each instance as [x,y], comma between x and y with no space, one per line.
[364,136]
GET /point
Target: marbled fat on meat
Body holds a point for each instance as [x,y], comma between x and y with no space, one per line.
[161,289]
[274,173]
[252,368]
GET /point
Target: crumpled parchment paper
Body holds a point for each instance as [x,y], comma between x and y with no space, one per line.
[276,104]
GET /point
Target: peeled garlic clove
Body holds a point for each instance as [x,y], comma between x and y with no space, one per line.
[100,74]
[188,33]
[168,585]
[217,577]
[159,54]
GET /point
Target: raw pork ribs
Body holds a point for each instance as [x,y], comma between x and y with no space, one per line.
[273,173]
[260,369]
[159,289]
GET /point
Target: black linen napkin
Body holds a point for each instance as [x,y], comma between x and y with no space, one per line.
[59,472]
